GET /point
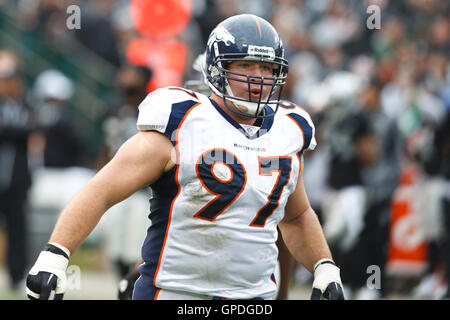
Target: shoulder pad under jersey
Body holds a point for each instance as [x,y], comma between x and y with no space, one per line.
[302,120]
[162,107]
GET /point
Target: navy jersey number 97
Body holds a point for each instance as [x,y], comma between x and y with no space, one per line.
[227,190]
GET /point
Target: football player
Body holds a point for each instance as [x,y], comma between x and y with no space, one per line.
[225,170]
[285,260]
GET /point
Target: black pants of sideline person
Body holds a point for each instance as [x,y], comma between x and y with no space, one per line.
[446,212]
[13,210]
[369,254]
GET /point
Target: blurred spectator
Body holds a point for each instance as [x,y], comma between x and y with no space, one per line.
[97,32]
[337,26]
[120,120]
[353,145]
[215,11]
[57,144]
[124,226]
[51,15]
[305,73]
[48,19]
[427,144]
[380,178]
[16,123]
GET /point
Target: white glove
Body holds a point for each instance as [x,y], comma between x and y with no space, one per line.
[327,283]
[47,278]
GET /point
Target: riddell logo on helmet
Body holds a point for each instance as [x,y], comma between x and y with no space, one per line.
[258,51]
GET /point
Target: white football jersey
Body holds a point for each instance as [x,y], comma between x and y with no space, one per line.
[215,214]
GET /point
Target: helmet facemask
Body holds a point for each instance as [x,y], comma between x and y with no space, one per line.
[219,76]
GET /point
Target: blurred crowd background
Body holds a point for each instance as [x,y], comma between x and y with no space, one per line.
[71,78]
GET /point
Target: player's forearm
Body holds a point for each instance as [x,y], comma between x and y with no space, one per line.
[80,217]
[305,239]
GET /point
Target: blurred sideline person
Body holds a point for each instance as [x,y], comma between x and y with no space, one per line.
[16,125]
[379,172]
[123,229]
[431,152]
[57,157]
[225,170]
[61,145]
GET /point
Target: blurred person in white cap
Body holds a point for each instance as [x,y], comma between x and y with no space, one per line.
[60,143]
[16,124]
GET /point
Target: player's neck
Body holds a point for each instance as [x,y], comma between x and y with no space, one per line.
[234,116]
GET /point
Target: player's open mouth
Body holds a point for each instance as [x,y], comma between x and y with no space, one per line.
[255,93]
